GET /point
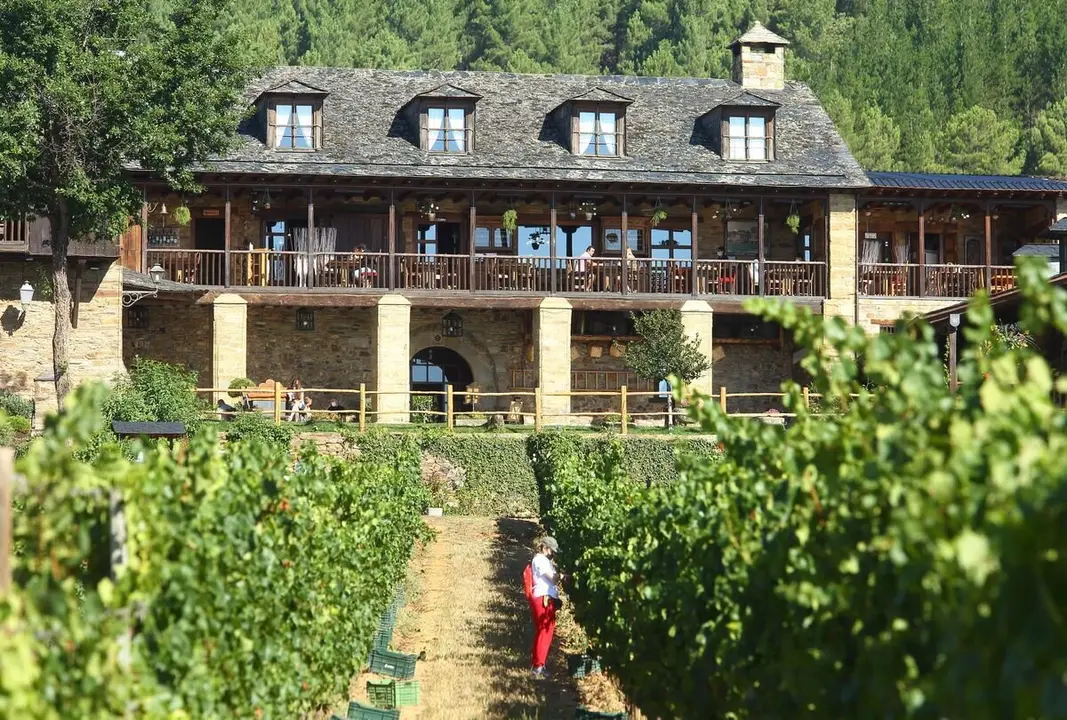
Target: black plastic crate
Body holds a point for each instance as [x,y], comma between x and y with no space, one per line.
[580,666]
[586,714]
[393,664]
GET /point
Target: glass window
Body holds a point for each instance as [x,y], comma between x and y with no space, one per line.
[533,241]
[744,327]
[635,240]
[495,238]
[427,239]
[446,130]
[672,244]
[294,127]
[598,134]
[747,138]
[572,240]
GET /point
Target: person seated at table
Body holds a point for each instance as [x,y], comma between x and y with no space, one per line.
[301,411]
[585,263]
[294,395]
[632,267]
[336,408]
[226,411]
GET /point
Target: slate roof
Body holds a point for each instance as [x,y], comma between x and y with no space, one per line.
[367,134]
[1044,250]
[759,35]
[1058,227]
[934,181]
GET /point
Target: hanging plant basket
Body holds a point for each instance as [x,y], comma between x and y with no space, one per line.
[182,215]
[793,223]
[658,216]
[510,220]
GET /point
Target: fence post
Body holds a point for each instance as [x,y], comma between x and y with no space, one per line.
[277,403]
[722,398]
[7,488]
[622,408]
[807,398]
[363,407]
[450,415]
[537,409]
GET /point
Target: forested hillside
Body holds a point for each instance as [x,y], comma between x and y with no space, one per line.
[946,85]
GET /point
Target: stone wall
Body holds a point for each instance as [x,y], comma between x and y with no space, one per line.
[759,68]
[175,334]
[874,313]
[26,340]
[338,353]
[752,368]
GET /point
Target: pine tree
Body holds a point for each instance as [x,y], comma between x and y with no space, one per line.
[1049,140]
[977,141]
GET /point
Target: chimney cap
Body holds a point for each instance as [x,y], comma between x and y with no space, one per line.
[759,35]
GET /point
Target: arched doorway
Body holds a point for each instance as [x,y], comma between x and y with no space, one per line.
[434,369]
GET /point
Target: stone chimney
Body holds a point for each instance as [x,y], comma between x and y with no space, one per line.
[759,59]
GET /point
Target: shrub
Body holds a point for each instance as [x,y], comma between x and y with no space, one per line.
[238,384]
[16,405]
[422,407]
[256,426]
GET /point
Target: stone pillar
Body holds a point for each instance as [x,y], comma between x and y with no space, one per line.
[552,333]
[697,321]
[229,341]
[841,297]
[393,360]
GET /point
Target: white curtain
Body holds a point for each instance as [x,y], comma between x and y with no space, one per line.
[900,249]
[282,135]
[435,118]
[455,134]
[586,133]
[757,138]
[304,127]
[871,248]
[737,138]
[607,134]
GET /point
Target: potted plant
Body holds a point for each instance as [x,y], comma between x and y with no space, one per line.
[510,220]
[429,210]
[182,215]
[589,209]
[658,216]
[792,221]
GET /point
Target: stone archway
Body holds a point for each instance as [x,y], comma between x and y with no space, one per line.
[434,369]
[483,367]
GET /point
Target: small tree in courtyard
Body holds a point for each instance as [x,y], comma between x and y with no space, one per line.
[664,351]
[90,88]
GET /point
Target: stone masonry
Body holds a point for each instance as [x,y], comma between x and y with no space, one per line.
[697,321]
[841,297]
[229,359]
[552,331]
[393,359]
[176,333]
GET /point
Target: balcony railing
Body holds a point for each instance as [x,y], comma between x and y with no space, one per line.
[14,234]
[487,273]
[934,281]
[587,380]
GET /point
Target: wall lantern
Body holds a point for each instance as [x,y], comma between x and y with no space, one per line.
[156,272]
[25,295]
[452,325]
[305,319]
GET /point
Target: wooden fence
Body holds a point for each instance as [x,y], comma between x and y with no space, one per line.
[367,410]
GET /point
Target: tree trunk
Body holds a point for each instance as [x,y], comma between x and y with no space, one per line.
[60,217]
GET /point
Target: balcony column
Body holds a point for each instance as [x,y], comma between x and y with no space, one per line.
[842,257]
[393,359]
[473,233]
[229,340]
[697,320]
[624,245]
[311,242]
[552,225]
[922,249]
[552,332]
[391,240]
[227,230]
[760,231]
[988,247]
[695,247]
[144,266]
[1059,212]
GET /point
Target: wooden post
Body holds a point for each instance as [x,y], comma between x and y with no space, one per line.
[226,232]
[7,488]
[759,246]
[922,249]
[624,245]
[552,225]
[392,239]
[695,251]
[988,249]
[622,409]
[722,398]
[472,241]
[953,383]
[450,411]
[311,240]
[807,397]
[537,409]
[362,407]
[277,403]
[144,234]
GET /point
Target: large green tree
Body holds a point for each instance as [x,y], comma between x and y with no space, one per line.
[1049,140]
[978,141]
[90,87]
[664,351]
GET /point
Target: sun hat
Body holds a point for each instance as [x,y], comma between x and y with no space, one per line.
[550,542]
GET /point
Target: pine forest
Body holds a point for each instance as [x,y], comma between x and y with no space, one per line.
[975,86]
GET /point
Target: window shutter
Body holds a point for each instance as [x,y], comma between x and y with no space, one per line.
[271,126]
[317,121]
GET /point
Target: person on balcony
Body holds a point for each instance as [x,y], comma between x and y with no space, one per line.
[585,264]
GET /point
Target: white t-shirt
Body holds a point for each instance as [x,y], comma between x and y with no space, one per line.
[544,577]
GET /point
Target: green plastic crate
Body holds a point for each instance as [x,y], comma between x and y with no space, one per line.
[580,666]
[362,712]
[393,664]
[392,694]
[583,713]
[383,637]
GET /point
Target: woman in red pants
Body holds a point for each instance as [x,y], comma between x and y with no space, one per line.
[544,601]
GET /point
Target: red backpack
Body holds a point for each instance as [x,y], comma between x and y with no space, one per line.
[527,582]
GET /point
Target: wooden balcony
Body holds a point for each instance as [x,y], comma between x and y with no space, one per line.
[932,281]
[487,274]
[33,236]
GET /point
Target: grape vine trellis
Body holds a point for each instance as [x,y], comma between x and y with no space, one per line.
[256,586]
[905,557]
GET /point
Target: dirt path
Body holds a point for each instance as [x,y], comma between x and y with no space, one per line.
[468,613]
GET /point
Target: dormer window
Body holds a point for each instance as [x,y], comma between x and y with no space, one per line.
[747,136]
[291,115]
[598,133]
[294,127]
[446,128]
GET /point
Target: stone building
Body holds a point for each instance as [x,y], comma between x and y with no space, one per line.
[412,230]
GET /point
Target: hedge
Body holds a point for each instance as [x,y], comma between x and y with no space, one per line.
[497,473]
